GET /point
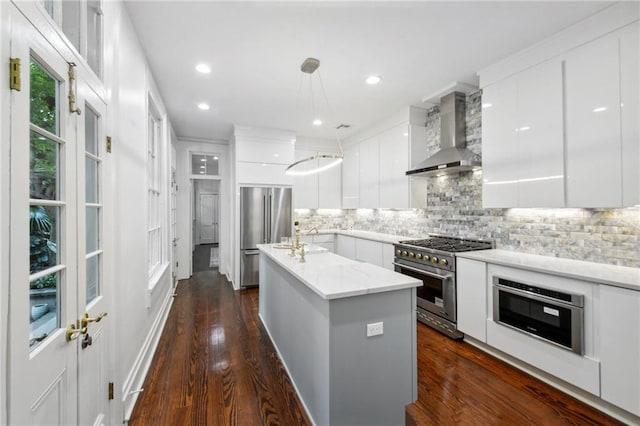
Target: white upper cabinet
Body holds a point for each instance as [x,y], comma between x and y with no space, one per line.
[305,188]
[522,150]
[602,121]
[500,145]
[565,132]
[374,168]
[594,172]
[394,162]
[318,190]
[369,174]
[351,178]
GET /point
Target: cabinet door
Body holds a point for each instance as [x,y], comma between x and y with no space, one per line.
[471,283]
[540,138]
[593,144]
[351,178]
[394,162]
[369,174]
[330,188]
[630,111]
[619,327]
[388,255]
[369,251]
[346,246]
[305,188]
[500,155]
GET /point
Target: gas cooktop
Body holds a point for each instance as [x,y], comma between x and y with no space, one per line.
[449,244]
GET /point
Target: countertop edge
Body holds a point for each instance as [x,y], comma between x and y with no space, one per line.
[598,273]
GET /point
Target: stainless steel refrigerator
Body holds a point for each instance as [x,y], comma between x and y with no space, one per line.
[265,217]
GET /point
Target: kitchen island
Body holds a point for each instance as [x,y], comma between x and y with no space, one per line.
[346,333]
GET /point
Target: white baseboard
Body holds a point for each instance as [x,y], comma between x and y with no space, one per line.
[137,374]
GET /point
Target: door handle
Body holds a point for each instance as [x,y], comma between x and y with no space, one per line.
[73,333]
[84,322]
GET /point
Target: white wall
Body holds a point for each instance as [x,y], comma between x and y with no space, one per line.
[4,215]
[184,149]
[138,311]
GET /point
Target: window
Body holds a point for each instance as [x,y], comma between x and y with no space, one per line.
[202,164]
[81,23]
[93,211]
[154,194]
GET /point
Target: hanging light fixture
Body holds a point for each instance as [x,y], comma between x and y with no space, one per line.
[322,161]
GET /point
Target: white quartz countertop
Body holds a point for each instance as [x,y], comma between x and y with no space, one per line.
[619,276]
[334,277]
[367,235]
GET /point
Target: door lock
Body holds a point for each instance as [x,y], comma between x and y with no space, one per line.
[86,341]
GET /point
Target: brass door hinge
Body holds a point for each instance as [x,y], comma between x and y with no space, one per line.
[14,74]
[110,391]
[109,144]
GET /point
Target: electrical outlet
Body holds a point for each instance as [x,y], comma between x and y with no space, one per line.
[375,329]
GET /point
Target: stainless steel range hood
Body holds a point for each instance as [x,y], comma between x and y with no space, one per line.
[453,156]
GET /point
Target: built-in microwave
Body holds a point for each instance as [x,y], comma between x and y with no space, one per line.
[554,316]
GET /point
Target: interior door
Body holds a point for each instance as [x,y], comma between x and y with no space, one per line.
[93,278]
[206,218]
[51,253]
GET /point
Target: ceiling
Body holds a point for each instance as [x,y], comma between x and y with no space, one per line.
[255,50]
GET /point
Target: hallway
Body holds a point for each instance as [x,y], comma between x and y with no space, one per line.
[214,364]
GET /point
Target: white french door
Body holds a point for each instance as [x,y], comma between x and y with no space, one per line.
[58,365]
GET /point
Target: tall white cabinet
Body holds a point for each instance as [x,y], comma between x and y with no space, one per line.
[564,132]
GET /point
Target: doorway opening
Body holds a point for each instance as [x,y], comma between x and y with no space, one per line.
[206,225]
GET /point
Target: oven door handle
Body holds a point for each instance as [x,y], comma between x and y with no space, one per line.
[421,271]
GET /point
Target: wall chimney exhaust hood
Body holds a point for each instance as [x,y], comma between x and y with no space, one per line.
[453,156]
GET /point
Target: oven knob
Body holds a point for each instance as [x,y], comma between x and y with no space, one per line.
[418,256]
[398,252]
[426,258]
[444,262]
[404,252]
[412,254]
[434,259]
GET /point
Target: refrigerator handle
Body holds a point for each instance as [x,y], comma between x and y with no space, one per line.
[264,219]
[271,219]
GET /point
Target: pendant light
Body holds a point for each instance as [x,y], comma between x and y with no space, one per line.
[322,161]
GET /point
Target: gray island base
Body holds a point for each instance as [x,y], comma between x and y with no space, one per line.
[318,315]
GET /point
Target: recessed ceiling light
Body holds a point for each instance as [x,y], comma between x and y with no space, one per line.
[215,158]
[373,79]
[317,122]
[203,159]
[405,134]
[202,167]
[203,106]
[203,68]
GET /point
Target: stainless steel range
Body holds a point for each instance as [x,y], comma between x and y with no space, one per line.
[432,260]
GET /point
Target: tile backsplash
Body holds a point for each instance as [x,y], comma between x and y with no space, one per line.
[454,207]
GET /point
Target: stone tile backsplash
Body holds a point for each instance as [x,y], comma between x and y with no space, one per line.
[454,207]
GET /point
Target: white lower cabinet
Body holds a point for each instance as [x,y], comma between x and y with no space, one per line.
[387,256]
[346,246]
[368,251]
[619,332]
[471,282]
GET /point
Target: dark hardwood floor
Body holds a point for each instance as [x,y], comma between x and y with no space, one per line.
[459,384]
[215,365]
[202,258]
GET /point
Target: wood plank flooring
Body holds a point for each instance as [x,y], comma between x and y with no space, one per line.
[215,365]
[459,384]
